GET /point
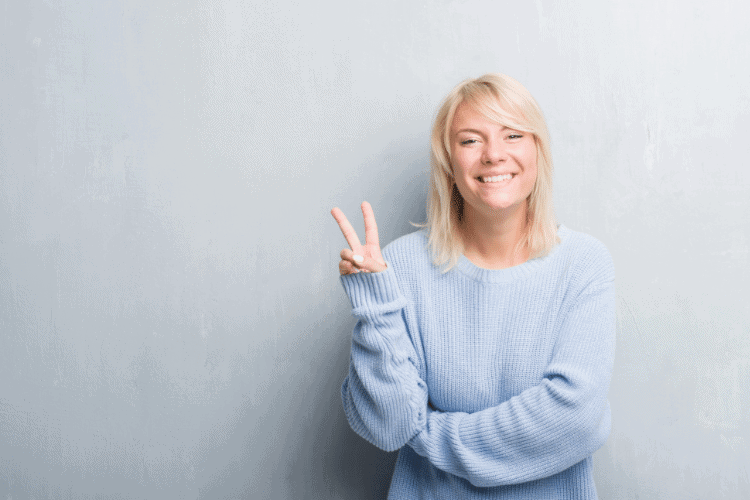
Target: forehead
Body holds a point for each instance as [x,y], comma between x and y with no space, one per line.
[467,116]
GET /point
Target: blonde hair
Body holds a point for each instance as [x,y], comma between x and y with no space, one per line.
[503,100]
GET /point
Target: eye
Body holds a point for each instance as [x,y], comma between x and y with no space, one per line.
[466,142]
[515,136]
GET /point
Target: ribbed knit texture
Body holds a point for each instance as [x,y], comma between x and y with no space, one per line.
[492,383]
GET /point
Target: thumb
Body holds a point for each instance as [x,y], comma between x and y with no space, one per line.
[364,263]
[370,264]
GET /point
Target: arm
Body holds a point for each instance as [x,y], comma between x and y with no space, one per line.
[384,398]
[549,427]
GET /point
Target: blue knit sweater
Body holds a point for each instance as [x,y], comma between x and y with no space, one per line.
[492,383]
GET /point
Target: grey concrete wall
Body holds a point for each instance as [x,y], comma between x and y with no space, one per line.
[171,321]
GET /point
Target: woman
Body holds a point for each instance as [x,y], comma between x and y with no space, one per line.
[485,342]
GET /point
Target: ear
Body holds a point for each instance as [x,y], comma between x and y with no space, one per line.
[449,171]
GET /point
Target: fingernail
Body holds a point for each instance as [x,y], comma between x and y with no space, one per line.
[358,258]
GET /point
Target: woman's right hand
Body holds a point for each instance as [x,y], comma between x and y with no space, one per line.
[360,258]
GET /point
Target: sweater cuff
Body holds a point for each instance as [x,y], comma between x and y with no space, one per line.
[371,291]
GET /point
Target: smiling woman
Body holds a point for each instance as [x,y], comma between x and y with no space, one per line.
[484,344]
[487,157]
[502,114]
[494,168]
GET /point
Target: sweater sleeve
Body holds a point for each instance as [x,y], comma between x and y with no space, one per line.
[384,398]
[546,428]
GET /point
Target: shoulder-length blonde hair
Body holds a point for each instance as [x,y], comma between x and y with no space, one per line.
[503,100]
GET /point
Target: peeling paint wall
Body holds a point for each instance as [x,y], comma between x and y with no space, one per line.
[171,322]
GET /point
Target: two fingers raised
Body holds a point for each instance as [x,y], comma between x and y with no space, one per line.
[365,257]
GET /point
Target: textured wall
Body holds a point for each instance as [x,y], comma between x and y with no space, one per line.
[171,322]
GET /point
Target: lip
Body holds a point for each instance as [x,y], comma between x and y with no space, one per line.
[479,177]
[496,173]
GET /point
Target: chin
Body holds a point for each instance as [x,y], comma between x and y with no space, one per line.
[506,207]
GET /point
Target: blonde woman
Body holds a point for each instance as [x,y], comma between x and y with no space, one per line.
[484,343]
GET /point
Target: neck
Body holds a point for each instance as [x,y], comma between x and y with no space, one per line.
[491,242]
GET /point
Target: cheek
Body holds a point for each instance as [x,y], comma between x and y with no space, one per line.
[531,165]
[460,164]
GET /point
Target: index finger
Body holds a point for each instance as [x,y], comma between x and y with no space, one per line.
[349,233]
[371,228]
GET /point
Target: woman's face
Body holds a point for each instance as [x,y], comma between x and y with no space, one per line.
[494,166]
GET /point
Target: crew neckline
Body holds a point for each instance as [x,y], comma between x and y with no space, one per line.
[509,274]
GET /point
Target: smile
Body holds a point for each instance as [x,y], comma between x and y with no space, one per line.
[497,178]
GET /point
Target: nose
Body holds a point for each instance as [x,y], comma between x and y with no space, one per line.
[494,152]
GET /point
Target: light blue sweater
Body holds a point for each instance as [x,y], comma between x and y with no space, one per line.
[492,383]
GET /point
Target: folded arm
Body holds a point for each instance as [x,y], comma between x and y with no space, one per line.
[546,428]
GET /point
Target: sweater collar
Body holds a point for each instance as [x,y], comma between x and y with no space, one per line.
[510,274]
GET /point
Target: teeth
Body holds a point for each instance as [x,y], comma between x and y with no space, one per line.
[497,178]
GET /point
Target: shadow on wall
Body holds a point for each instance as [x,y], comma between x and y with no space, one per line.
[333,461]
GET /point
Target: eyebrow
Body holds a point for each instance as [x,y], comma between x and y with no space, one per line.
[478,132]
